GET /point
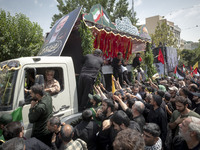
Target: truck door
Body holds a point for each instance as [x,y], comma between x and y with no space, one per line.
[61,100]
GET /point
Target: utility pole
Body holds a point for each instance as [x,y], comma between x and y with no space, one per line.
[133,15]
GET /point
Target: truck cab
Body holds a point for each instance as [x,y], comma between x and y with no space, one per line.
[16,75]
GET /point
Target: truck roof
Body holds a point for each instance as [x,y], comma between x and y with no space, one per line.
[40,59]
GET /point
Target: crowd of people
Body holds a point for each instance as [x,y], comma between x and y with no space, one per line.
[141,115]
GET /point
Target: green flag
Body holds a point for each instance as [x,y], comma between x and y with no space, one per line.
[17,114]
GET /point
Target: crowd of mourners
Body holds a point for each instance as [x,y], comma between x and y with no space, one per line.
[150,115]
[163,114]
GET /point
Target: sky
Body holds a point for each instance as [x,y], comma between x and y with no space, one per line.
[184,13]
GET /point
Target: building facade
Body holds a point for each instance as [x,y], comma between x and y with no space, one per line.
[152,22]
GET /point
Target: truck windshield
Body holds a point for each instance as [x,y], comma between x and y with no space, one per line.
[8,74]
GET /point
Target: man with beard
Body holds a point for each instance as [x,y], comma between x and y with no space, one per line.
[158,115]
[121,121]
[39,113]
[180,114]
[189,135]
[135,91]
[106,136]
[54,126]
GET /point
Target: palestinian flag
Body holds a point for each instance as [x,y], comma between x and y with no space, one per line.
[178,74]
[183,68]
[96,14]
[196,72]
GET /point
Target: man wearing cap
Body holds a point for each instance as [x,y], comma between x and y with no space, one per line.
[158,87]
[196,100]
[96,102]
[172,91]
[158,116]
[92,64]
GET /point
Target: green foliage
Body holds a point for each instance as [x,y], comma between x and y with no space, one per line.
[87,38]
[164,34]
[189,57]
[121,10]
[18,36]
[114,10]
[148,59]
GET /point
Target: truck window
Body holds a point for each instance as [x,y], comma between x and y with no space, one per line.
[31,75]
[8,75]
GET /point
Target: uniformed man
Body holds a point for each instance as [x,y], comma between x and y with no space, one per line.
[39,113]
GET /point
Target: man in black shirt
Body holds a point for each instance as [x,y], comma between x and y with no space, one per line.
[196,100]
[137,112]
[136,61]
[15,130]
[117,70]
[87,129]
[158,116]
[106,136]
[54,126]
[121,121]
[92,63]
[136,65]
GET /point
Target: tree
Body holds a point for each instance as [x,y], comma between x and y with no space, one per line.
[148,60]
[164,35]
[189,57]
[121,10]
[18,36]
[114,10]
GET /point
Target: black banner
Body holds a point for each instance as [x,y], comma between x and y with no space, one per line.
[57,38]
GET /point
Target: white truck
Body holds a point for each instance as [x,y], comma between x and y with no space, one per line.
[17,74]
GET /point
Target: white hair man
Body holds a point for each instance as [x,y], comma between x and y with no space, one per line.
[189,131]
[137,112]
[51,85]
